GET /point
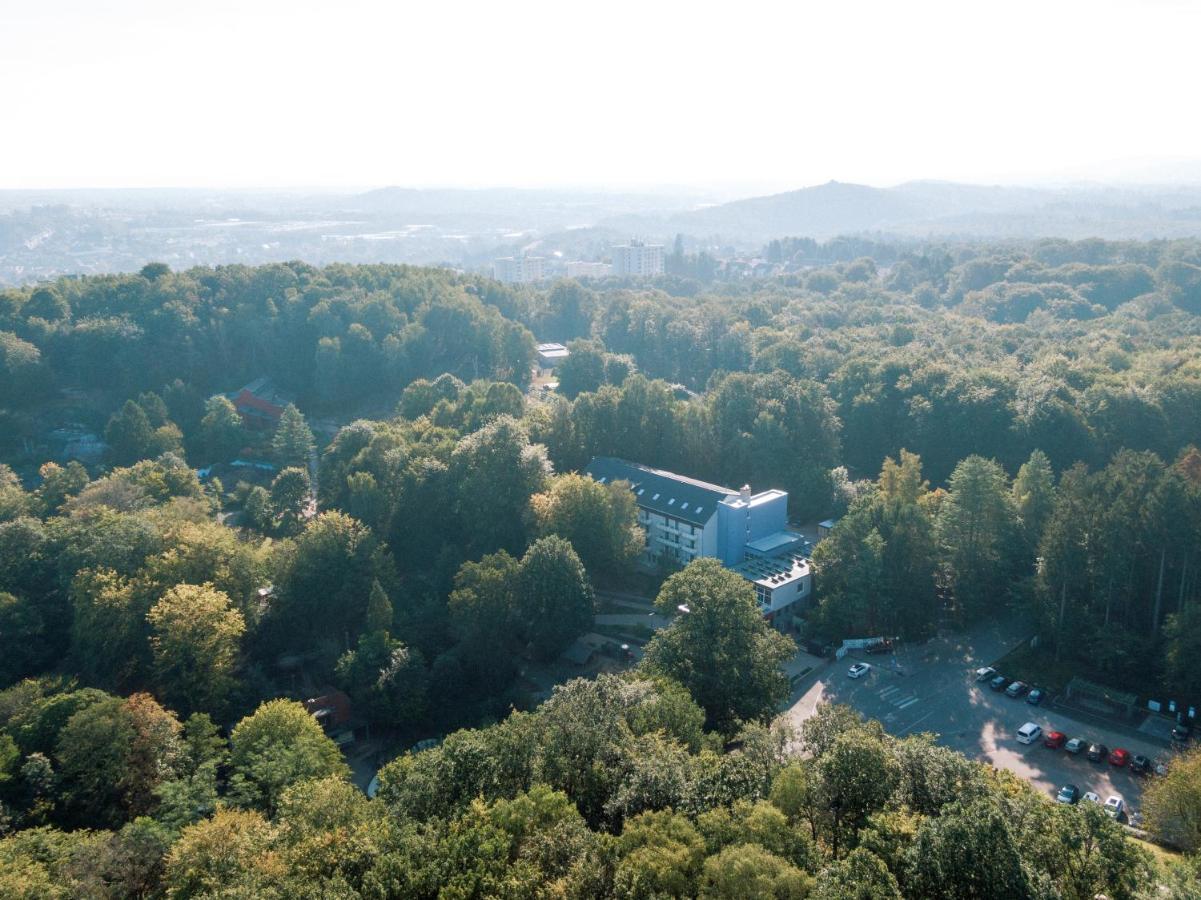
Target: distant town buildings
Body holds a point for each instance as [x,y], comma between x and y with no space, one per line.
[551,356]
[517,269]
[584,269]
[685,518]
[638,260]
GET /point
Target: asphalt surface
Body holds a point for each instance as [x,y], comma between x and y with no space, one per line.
[932,688]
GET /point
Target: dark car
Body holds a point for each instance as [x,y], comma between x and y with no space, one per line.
[1035,697]
[1017,689]
[1139,764]
[1069,793]
[1182,732]
[1097,752]
[998,683]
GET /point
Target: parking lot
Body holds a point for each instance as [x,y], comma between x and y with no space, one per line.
[932,687]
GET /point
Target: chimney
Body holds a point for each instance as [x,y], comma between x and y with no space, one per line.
[745,493]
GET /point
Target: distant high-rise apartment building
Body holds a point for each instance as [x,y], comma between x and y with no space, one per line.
[638,260]
[517,269]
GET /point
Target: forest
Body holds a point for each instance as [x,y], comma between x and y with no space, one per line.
[998,429]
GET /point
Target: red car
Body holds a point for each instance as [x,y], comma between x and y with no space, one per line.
[1119,757]
[1054,739]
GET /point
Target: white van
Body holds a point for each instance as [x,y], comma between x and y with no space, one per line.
[1029,733]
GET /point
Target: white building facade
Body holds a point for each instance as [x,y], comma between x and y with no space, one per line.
[638,260]
[583,269]
[685,518]
[518,269]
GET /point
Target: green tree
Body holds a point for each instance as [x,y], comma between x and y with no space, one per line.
[966,852]
[976,529]
[221,431]
[747,872]
[860,875]
[583,370]
[112,756]
[25,647]
[876,569]
[379,610]
[59,484]
[386,678]
[195,640]
[482,608]
[275,747]
[495,471]
[129,435]
[1182,634]
[1172,804]
[661,856]
[721,649]
[1034,497]
[856,777]
[229,852]
[290,492]
[554,599]
[599,520]
[292,443]
[326,582]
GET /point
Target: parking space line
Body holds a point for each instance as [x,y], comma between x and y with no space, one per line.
[889,690]
[909,702]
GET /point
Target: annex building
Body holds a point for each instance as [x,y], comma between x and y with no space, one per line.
[685,518]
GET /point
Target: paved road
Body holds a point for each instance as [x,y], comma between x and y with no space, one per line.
[932,688]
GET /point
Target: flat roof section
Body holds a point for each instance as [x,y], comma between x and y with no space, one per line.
[773,542]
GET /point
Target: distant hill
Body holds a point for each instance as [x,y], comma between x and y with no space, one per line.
[940,209]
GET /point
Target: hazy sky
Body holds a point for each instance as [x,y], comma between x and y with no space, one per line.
[618,94]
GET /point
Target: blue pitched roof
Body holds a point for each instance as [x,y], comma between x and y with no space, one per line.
[666,493]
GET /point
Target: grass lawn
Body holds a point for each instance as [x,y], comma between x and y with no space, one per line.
[1162,855]
[1037,667]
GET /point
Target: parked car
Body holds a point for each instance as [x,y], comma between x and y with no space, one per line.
[1119,757]
[1075,745]
[1181,732]
[1091,797]
[1035,697]
[1097,752]
[1139,764]
[1054,740]
[998,683]
[1017,689]
[1114,806]
[859,670]
[1029,733]
[1069,793]
[985,673]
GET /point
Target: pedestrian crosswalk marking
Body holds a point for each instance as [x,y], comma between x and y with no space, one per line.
[897,697]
